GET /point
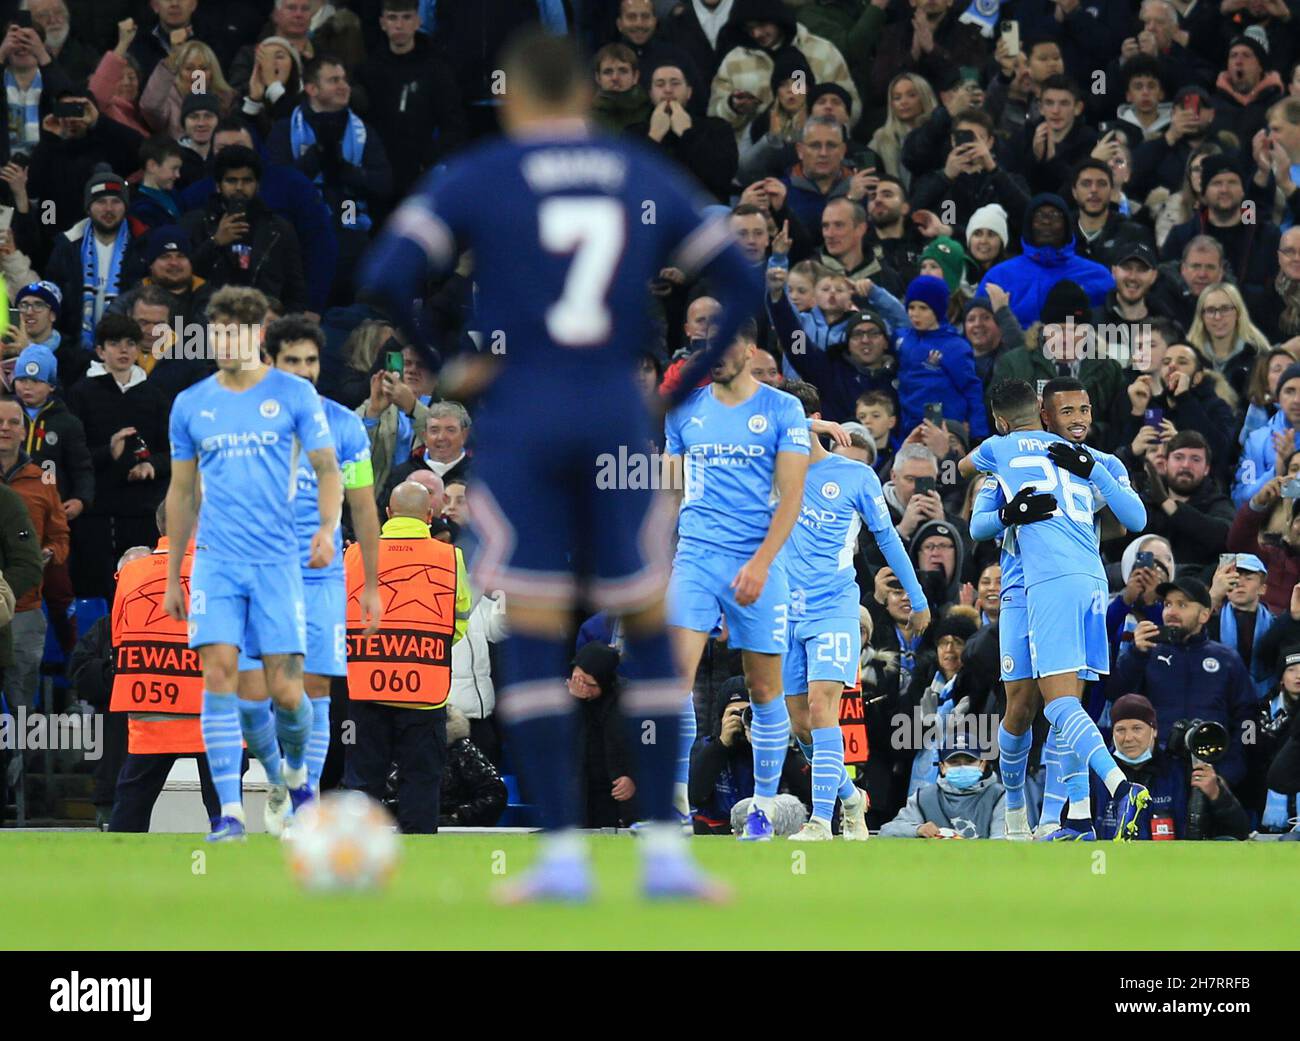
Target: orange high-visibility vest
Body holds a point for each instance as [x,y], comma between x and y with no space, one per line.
[156,672]
[409,658]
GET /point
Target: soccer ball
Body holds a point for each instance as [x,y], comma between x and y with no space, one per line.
[343,841]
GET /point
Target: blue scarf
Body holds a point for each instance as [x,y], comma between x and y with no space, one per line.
[90,284]
[1278,808]
[28,129]
[302,137]
[1228,634]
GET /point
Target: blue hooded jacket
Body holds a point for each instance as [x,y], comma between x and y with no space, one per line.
[1258,459]
[1029,277]
[952,382]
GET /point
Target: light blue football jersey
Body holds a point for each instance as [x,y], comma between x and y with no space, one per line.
[248,446]
[729,461]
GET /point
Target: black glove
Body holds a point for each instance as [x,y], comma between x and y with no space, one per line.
[1027,507]
[352,176]
[310,162]
[1074,458]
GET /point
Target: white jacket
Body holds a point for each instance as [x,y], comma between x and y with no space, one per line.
[471,670]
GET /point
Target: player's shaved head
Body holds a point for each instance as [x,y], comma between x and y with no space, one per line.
[1015,404]
[431,483]
[409,500]
[544,74]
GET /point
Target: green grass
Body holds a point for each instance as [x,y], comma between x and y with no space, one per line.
[95,891]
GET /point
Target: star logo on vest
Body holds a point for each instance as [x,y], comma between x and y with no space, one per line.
[1210,665]
[831,490]
[270,408]
[757,424]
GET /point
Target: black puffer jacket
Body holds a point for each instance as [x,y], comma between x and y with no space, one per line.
[473,794]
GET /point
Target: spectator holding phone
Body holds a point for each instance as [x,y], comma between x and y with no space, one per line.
[1146,562]
[33,79]
[239,241]
[1269,449]
[1268,526]
[1185,674]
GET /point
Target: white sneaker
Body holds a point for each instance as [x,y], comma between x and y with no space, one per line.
[853,818]
[814,831]
[1046,828]
[276,809]
[1018,825]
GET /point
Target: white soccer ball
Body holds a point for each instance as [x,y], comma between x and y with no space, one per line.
[342,841]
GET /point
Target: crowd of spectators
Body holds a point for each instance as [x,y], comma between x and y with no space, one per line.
[1107,193]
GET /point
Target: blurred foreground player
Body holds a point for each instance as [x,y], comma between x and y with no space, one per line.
[242,430]
[567,228]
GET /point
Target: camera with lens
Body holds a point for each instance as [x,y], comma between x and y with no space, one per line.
[1200,740]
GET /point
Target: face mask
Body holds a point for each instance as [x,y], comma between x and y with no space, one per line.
[1135,760]
[963,777]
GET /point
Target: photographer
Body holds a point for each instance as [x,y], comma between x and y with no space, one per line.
[239,241]
[1184,673]
[1165,773]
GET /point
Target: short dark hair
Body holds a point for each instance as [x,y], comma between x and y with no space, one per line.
[1033,40]
[1189,439]
[614,52]
[974,117]
[158,149]
[547,68]
[1089,163]
[236,157]
[1061,385]
[311,71]
[1013,399]
[885,178]
[1061,82]
[291,329]
[879,397]
[746,209]
[117,327]
[232,125]
[152,296]
[807,395]
[399,5]
[1170,331]
[1197,353]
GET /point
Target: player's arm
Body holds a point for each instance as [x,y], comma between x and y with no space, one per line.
[791,468]
[1121,499]
[672,478]
[358,482]
[329,500]
[985,519]
[182,509]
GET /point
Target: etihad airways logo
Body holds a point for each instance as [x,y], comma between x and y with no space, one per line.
[246,439]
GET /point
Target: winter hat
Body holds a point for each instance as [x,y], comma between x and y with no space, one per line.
[46,291]
[1257,40]
[1291,372]
[869,317]
[830,88]
[36,363]
[786,65]
[993,217]
[931,291]
[200,103]
[600,660]
[1065,300]
[166,238]
[978,303]
[280,41]
[1133,706]
[103,182]
[1213,165]
[948,254]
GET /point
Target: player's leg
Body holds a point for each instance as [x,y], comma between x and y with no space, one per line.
[1015,735]
[1076,644]
[326,658]
[222,734]
[794,681]
[1054,794]
[277,620]
[257,720]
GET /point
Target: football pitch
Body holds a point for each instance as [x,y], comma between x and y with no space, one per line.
[71,891]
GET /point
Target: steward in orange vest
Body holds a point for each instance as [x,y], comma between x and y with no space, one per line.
[158,681]
[399,677]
